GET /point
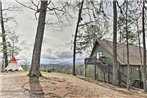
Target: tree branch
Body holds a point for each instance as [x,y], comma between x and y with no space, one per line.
[120,8]
[26,6]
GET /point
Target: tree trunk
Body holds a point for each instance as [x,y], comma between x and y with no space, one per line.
[75,37]
[127,38]
[141,67]
[144,48]
[3,37]
[12,55]
[115,66]
[35,65]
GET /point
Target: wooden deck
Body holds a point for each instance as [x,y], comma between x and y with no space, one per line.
[106,69]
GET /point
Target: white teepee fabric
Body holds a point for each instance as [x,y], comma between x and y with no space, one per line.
[13,66]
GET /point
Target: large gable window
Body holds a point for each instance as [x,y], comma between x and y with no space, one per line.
[99,54]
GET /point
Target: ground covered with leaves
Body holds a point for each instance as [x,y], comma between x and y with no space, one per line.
[57,85]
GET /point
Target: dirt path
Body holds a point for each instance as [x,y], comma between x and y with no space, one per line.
[55,85]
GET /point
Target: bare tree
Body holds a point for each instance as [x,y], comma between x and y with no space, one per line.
[13,49]
[115,65]
[45,6]
[127,38]
[35,65]
[144,47]
[3,36]
[140,49]
[133,14]
[95,24]
[75,37]
[5,18]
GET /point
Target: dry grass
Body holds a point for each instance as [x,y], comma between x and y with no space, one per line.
[56,85]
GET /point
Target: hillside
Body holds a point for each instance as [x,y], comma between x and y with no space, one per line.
[56,85]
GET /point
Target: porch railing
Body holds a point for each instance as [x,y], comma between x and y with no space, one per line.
[106,69]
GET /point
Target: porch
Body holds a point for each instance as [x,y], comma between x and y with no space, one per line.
[107,70]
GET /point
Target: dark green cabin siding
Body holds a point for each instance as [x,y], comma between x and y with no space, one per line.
[134,74]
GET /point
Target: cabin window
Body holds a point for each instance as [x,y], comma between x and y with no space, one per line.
[137,69]
[99,54]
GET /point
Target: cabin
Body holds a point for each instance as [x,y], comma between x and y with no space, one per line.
[100,63]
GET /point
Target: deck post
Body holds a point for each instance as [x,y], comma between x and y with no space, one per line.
[107,74]
[119,78]
[85,70]
[97,71]
[140,76]
[85,67]
[104,77]
[104,71]
[109,78]
[95,68]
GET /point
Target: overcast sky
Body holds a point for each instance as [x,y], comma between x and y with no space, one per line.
[56,48]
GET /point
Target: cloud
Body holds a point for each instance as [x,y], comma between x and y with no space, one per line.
[23,42]
[51,56]
[47,50]
[46,56]
[48,61]
[26,48]
[64,55]
[47,53]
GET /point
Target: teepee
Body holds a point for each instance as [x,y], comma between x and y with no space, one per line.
[13,66]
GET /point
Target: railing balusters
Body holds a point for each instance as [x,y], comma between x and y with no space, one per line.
[105,68]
